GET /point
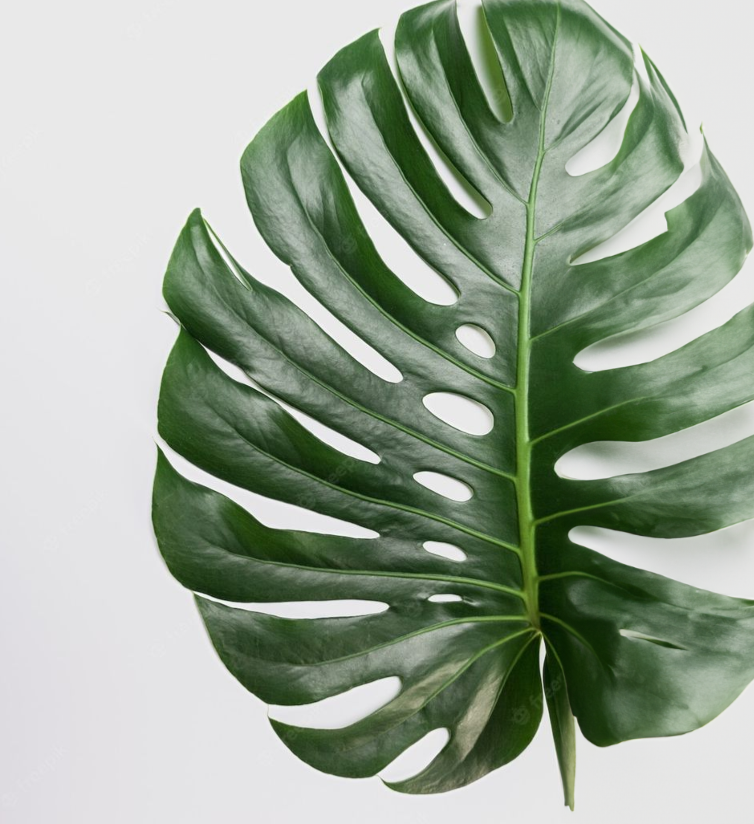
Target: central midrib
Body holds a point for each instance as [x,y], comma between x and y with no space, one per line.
[526,521]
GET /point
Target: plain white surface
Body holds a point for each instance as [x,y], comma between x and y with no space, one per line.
[119,118]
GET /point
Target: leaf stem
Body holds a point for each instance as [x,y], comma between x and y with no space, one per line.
[560,711]
[527,523]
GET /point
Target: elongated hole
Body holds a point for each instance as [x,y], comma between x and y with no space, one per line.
[606,145]
[476,340]
[448,551]
[687,559]
[460,412]
[444,485]
[341,710]
[462,191]
[417,757]
[640,636]
[608,459]
[394,250]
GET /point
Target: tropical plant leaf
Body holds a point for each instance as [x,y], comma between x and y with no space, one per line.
[630,654]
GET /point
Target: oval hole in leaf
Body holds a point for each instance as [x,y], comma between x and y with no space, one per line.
[476,340]
[445,599]
[449,551]
[418,756]
[341,710]
[460,412]
[445,485]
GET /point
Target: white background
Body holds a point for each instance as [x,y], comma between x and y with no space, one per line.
[118,119]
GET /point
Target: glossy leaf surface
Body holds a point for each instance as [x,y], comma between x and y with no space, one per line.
[629,653]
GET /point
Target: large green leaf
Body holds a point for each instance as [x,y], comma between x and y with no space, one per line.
[628,653]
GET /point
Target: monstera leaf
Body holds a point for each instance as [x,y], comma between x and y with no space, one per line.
[629,654]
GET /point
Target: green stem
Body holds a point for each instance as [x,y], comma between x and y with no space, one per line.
[556,693]
[523,442]
[527,524]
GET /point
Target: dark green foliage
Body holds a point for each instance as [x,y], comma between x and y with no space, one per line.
[630,654]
